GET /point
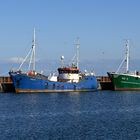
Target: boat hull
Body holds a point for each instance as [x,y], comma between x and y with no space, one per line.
[40,83]
[124,81]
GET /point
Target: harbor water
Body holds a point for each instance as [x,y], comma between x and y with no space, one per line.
[101,115]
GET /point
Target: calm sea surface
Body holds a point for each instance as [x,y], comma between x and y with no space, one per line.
[102,115]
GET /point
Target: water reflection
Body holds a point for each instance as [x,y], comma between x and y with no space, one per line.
[86,115]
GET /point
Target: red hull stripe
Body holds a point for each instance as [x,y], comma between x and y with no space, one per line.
[31,90]
[127,89]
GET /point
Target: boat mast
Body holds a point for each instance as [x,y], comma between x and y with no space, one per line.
[77,53]
[32,57]
[75,59]
[126,59]
[127,56]
[31,53]
[34,45]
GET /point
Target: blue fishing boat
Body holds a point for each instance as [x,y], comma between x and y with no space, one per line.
[68,79]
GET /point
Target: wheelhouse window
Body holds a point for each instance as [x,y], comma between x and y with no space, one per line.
[68,71]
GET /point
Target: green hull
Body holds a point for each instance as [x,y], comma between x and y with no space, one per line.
[124,81]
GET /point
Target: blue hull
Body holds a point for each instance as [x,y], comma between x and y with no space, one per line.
[40,83]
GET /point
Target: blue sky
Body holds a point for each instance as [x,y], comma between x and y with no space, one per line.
[101,25]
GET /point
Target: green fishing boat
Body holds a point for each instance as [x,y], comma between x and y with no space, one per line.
[125,80]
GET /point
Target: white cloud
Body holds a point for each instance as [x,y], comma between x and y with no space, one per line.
[16,59]
[12,60]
